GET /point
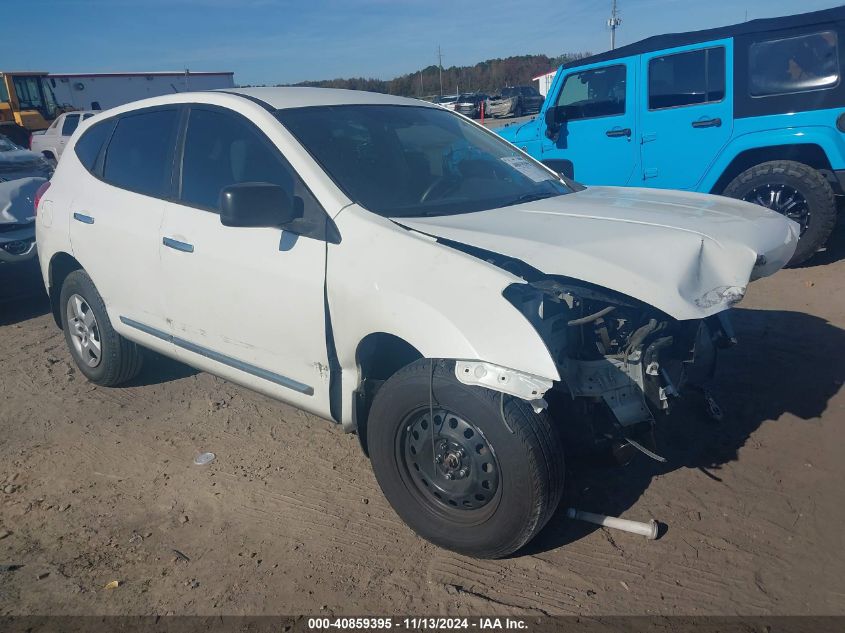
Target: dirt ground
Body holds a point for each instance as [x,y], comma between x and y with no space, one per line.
[99,485]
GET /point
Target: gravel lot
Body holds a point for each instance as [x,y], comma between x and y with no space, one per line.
[98,485]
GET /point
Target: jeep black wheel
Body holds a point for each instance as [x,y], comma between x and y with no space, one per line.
[463,466]
[100,353]
[795,190]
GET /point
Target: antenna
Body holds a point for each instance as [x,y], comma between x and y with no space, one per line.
[613,22]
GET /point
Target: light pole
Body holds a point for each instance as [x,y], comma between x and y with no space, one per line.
[440,68]
[613,22]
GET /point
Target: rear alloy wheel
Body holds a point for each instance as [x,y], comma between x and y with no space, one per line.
[102,355]
[84,332]
[465,467]
[795,190]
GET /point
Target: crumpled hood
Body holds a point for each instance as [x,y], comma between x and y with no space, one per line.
[16,200]
[690,255]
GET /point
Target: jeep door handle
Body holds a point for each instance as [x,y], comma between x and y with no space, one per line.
[177,245]
[85,219]
[717,122]
[617,133]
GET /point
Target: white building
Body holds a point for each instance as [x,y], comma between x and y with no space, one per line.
[91,91]
[545,82]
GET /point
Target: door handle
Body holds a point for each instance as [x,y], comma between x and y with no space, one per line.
[85,219]
[617,133]
[717,122]
[177,245]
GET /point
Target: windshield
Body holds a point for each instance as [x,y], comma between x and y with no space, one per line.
[404,161]
[510,92]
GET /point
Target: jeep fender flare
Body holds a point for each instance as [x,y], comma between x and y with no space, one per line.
[762,139]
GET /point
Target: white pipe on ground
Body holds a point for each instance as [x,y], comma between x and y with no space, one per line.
[648,530]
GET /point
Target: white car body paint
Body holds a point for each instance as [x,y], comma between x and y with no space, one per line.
[238,295]
[690,255]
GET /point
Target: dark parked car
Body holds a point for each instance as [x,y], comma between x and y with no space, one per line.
[515,101]
[469,104]
[17,162]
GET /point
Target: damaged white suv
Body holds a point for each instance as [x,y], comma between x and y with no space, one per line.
[398,269]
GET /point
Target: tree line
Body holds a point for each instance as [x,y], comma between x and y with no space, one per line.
[487,76]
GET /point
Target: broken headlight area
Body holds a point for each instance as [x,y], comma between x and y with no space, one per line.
[622,363]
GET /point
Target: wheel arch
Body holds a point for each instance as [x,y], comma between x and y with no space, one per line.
[378,356]
[805,146]
[61,265]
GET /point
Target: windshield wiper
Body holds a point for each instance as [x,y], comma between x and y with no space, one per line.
[530,197]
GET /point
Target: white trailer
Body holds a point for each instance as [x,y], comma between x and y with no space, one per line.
[99,91]
[544,82]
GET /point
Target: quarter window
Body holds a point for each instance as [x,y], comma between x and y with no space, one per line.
[689,78]
[70,124]
[138,155]
[223,149]
[594,93]
[88,147]
[794,64]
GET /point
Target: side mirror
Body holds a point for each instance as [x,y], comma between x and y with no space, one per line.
[256,204]
[555,115]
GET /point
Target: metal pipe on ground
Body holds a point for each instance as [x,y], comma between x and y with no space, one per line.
[648,530]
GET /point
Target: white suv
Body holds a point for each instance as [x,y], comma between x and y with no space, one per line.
[402,271]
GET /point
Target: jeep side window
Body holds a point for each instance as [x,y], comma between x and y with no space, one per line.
[689,78]
[793,64]
[594,93]
[223,149]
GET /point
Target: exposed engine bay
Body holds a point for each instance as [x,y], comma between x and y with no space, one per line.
[622,362]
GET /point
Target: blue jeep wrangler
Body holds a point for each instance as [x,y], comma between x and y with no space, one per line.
[753,111]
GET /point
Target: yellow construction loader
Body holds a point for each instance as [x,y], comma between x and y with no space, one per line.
[27,104]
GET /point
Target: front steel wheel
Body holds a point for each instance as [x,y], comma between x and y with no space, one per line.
[449,464]
[465,467]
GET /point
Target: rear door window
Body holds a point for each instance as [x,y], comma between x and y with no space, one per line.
[139,155]
[689,78]
[594,93]
[794,64]
[70,124]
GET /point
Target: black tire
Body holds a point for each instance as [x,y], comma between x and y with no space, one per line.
[807,181]
[527,462]
[119,359]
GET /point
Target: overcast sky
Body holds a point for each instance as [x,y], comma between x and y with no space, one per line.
[281,41]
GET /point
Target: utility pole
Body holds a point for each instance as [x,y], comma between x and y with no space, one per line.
[440,67]
[613,22]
